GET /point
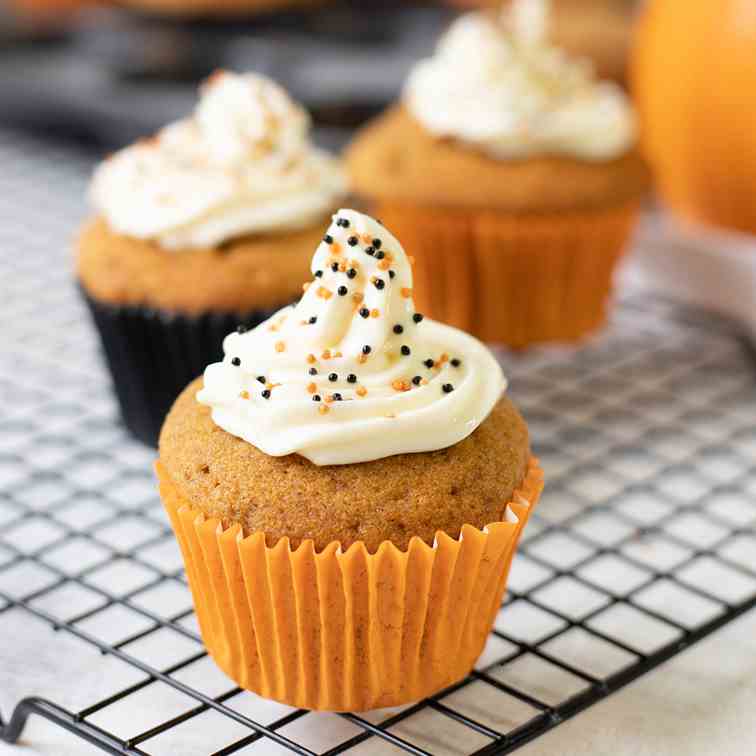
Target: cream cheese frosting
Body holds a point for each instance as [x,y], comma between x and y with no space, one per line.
[352,373]
[501,87]
[242,164]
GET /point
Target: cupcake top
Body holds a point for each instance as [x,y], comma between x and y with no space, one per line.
[352,373]
[242,164]
[500,86]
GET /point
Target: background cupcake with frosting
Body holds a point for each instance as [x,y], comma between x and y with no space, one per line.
[513,177]
[206,225]
[348,487]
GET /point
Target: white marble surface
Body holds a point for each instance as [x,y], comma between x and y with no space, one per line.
[701,703]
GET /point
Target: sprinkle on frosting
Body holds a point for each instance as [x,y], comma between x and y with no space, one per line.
[385,395]
[500,86]
[243,163]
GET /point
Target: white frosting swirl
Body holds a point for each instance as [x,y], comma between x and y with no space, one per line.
[242,164]
[352,373]
[501,87]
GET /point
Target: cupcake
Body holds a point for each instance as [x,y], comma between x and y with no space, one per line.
[209,224]
[348,487]
[511,175]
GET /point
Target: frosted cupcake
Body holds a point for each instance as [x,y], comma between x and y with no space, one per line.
[512,176]
[348,487]
[207,225]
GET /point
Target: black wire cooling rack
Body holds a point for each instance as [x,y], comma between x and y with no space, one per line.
[643,544]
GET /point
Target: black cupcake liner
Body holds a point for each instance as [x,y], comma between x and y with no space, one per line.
[153,354]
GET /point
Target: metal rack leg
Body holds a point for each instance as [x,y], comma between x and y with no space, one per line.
[11,731]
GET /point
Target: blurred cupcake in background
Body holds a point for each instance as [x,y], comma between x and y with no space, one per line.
[219,8]
[207,225]
[513,176]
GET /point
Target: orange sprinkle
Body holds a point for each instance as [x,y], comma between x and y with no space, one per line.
[354,264]
[311,358]
[400,385]
[323,409]
[336,248]
[357,297]
[244,394]
[326,354]
[444,358]
[362,358]
[311,388]
[424,382]
[306,285]
[361,391]
[329,398]
[384,264]
[280,346]
[324,293]
[406,293]
[366,238]
[271,386]
[375,313]
[342,267]
[337,354]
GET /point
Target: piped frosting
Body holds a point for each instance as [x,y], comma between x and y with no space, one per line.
[353,373]
[500,86]
[242,164]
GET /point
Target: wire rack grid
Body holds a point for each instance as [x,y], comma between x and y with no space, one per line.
[643,543]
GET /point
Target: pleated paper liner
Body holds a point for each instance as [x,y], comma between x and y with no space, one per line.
[351,630]
[153,354]
[511,279]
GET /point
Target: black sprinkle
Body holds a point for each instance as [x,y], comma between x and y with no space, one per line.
[318,274]
[236,362]
[377,243]
[379,283]
[261,379]
[416,380]
[366,349]
[333,377]
[429,364]
[313,371]
[335,267]
[343,222]
[405,350]
[328,239]
[241,328]
[342,291]
[337,397]
[379,255]
[448,388]
[398,328]
[352,241]
[316,397]
[351,378]
[370,251]
[455,362]
[351,273]
[417,317]
[266,394]
[391,274]
[364,312]
[313,320]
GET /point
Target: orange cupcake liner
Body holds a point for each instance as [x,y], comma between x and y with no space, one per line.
[513,279]
[346,630]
